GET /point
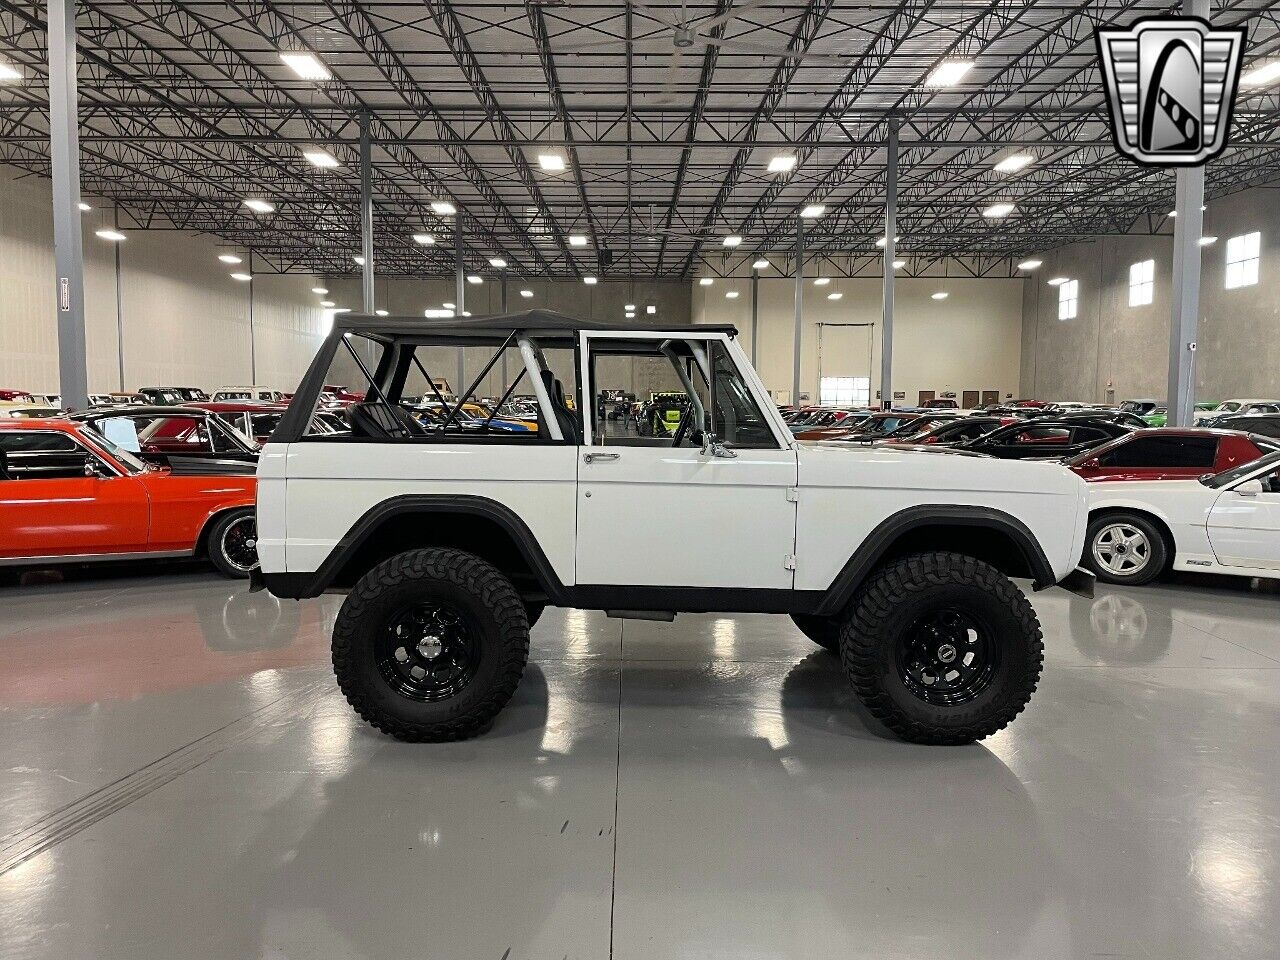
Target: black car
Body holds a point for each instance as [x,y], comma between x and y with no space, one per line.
[954,431]
[1046,438]
[165,435]
[1267,424]
[1123,417]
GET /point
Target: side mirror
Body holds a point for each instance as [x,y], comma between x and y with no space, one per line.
[1250,488]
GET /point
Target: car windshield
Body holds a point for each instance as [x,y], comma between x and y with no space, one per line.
[126,459]
[1228,477]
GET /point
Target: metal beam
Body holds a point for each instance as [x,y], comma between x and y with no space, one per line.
[799,315]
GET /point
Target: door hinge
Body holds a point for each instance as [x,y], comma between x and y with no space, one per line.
[789,562]
[793,494]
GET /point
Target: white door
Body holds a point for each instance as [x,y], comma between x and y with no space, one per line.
[654,509]
[1244,525]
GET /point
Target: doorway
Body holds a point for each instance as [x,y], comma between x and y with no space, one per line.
[969,399]
[844,364]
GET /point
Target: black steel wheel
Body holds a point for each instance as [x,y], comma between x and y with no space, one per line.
[233,543]
[431,644]
[942,648]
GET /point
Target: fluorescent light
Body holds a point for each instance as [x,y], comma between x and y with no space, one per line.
[114,235]
[589,281]
[321,158]
[821,281]
[630,306]
[1257,77]
[443,208]
[242,277]
[229,258]
[497,263]
[343,310]
[706,281]
[260,206]
[631,314]
[84,207]
[731,241]
[359,261]
[526,294]
[760,265]
[551,162]
[651,309]
[577,239]
[883,240]
[899,264]
[1013,163]
[948,73]
[997,210]
[449,306]
[1030,264]
[475,278]
[466,313]
[10,71]
[320,290]
[1205,241]
[431,314]
[782,163]
[323,303]
[380,313]
[1173,213]
[425,239]
[1057,281]
[940,295]
[306,66]
[731,294]
[813,211]
[835,296]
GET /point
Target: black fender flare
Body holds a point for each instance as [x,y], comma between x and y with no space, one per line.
[300,585]
[868,556]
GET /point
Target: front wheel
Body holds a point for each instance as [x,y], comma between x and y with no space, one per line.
[233,543]
[431,644]
[942,648]
[1124,548]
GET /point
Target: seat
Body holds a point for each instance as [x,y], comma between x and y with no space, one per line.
[378,421]
[564,416]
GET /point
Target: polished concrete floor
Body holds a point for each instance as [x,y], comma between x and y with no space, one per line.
[179,778]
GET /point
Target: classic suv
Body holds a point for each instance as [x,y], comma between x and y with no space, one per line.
[450,542]
[1227,523]
[1169,453]
[67,493]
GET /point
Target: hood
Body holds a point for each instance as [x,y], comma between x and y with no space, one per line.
[865,445]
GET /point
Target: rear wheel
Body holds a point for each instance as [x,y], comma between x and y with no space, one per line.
[1125,548]
[431,644]
[824,631]
[233,543]
[942,648]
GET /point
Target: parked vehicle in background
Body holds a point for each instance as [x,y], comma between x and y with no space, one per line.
[53,400]
[162,435]
[1265,424]
[941,403]
[17,410]
[1157,417]
[16,396]
[171,396]
[120,397]
[1139,407]
[870,427]
[1226,523]
[1122,417]
[828,417]
[1045,438]
[1169,453]
[908,431]
[1247,410]
[260,394]
[68,494]
[339,396]
[947,432]
[1238,406]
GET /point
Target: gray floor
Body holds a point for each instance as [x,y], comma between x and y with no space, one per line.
[180,779]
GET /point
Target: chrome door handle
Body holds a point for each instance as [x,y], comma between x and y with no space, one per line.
[593,457]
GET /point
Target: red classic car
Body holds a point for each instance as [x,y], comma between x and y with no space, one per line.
[68,494]
[1170,453]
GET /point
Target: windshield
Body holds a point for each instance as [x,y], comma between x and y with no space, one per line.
[126,459]
[1228,477]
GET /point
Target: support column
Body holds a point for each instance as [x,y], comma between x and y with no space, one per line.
[460,293]
[119,305]
[755,312]
[1185,319]
[253,340]
[795,345]
[366,213]
[68,252]
[890,254]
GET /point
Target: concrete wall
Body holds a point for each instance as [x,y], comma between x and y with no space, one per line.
[969,341]
[1112,351]
[184,320]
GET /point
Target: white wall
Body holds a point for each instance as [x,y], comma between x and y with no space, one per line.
[185,321]
[970,341]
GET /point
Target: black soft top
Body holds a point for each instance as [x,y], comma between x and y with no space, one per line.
[494,329]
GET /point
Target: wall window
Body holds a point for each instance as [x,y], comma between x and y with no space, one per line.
[1142,283]
[1243,253]
[1068,299]
[845,392]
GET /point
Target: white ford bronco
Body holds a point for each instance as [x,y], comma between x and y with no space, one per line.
[451,524]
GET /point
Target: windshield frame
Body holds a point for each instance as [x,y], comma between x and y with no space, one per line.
[130,462]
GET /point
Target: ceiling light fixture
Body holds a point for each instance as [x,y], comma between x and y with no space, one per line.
[242,277]
[323,303]
[359,261]
[475,278]
[449,306]
[84,207]
[497,263]
[813,211]
[432,314]
[882,241]
[577,239]
[997,210]
[589,281]
[318,157]
[526,294]
[9,71]
[782,163]
[443,208]
[650,309]
[629,306]
[731,294]
[706,281]
[1013,164]
[821,281]
[899,264]
[426,239]
[941,295]
[113,235]
[260,206]
[1262,75]
[380,313]
[948,73]
[731,241]
[1205,241]
[306,65]
[1030,264]
[836,295]
[320,290]
[551,162]
[761,264]
[229,258]
[1057,281]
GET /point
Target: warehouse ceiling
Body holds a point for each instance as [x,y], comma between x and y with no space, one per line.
[665,115]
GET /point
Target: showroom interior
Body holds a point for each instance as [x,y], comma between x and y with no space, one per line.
[676,375]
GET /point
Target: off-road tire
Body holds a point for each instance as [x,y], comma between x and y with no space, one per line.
[216,549]
[495,612]
[824,631]
[1157,557]
[890,605]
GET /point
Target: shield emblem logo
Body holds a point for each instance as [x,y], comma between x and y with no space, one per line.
[1171,83]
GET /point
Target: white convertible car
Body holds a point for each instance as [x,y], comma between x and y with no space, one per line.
[1227,523]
